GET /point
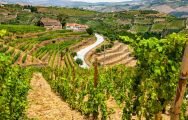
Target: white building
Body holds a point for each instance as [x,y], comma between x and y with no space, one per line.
[76,27]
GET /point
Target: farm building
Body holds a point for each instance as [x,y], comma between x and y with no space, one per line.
[76,27]
[50,24]
[26,10]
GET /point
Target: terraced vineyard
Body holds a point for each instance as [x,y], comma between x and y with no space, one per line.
[50,48]
[118,54]
[117,85]
[19,57]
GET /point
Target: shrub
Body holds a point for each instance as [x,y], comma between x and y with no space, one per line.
[73,54]
[14,86]
[98,50]
[79,61]
[24,58]
[16,57]
[89,31]
[3,32]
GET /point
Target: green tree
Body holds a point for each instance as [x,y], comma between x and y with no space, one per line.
[89,31]
[79,61]
[62,18]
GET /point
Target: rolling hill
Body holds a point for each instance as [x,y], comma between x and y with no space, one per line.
[177,8]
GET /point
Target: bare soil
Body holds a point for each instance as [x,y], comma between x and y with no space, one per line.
[118,54]
[44,104]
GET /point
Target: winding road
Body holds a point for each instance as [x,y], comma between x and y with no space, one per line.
[82,53]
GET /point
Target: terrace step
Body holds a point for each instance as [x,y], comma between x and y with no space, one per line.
[109,56]
[117,59]
[131,63]
[19,61]
[45,57]
[127,61]
[117,47]
[9,49]
[57,60]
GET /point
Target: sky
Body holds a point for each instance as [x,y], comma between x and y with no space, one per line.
[93,1]
[89,1]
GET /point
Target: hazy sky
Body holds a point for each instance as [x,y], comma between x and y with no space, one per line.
[102,0]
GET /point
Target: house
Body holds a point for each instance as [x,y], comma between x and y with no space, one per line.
[26,10]
[50,24]
[1,5]
[76,27]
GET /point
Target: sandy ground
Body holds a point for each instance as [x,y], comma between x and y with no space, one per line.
[46,105]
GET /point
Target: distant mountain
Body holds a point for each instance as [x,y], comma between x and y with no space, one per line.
[68,3]
[178,8]
[62,3]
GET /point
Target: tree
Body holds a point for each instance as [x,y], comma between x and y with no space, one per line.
[79,61]
[62,18]
[89,31]
[32,8]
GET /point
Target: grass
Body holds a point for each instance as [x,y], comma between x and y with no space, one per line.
[62,45]
[158,27]
[26,18]
[140,28]
[24,58]
[159,20]
[143,21]
[10,52]
[41,37]
[66,11]
[16,57]
[176,24]
[21,28]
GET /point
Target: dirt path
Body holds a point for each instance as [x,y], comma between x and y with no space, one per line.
[82,53]
[46,105]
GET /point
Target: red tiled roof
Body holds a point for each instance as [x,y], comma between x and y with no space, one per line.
[75,24]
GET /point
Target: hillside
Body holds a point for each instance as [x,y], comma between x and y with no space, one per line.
[133,58]
[42,48]
[178,8]
[143,22]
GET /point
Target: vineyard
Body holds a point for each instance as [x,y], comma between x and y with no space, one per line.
[113,54]
[103,93]
[14,86]
[143,91]
[44,48]
[131,76]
